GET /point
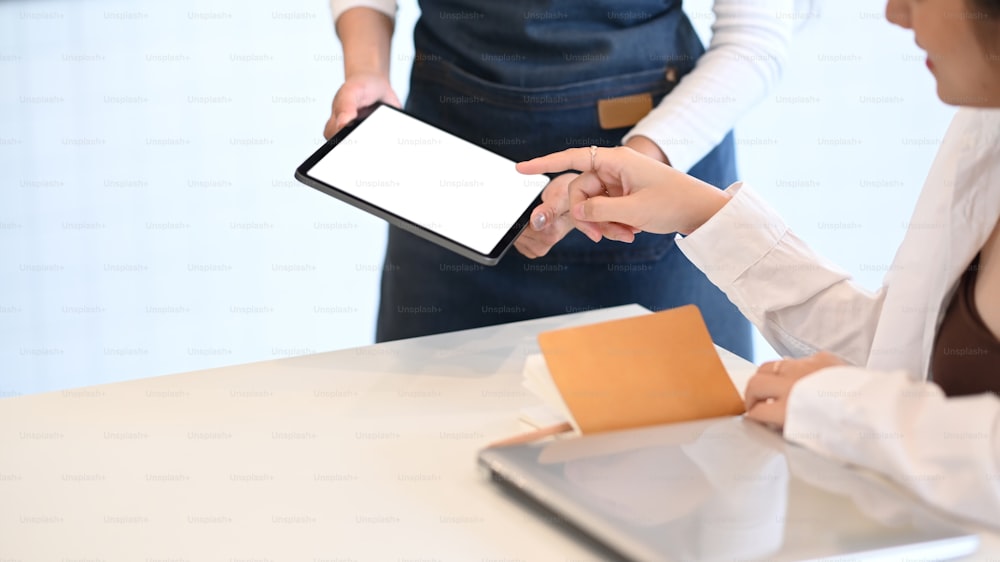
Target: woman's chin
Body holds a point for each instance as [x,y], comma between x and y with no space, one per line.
[967,99]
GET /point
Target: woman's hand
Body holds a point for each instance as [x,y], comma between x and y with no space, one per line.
[359,90]
[550,221]
[629,192]
[768,390]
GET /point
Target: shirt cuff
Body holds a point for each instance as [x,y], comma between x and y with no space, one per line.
[735,238]
[387,7]
[819,404]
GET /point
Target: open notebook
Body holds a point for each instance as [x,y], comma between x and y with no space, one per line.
[646,370]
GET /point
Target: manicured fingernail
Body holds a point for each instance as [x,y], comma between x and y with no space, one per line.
[539,221]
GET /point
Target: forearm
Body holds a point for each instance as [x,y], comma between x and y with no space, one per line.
[800,302]
[366,36]
[946,450]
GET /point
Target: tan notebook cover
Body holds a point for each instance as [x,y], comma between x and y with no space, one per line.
[646,370]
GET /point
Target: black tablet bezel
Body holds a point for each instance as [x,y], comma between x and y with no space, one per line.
[492,258]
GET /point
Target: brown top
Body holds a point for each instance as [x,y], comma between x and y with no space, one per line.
[966,355]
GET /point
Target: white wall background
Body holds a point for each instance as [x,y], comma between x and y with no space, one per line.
[149,222]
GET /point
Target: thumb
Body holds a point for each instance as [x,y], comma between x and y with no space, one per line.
[555,202]
[603,209]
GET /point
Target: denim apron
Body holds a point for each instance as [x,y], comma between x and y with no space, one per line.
[523,79]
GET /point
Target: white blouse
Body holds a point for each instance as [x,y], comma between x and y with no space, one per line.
[878,414]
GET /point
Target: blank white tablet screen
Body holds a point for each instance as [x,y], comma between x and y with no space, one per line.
[430,178]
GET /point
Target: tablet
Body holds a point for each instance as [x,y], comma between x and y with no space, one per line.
[426,181]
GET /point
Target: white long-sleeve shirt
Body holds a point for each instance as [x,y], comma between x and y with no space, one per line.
[880,413]
[744,60]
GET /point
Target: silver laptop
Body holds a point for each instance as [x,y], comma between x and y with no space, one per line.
[722,489]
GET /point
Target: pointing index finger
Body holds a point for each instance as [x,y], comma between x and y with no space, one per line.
[569,159]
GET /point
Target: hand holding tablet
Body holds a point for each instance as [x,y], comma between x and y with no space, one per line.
[426,181]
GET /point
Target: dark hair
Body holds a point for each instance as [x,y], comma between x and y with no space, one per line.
[991,8]
[985,14]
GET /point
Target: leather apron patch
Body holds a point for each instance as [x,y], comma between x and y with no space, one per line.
[625,111]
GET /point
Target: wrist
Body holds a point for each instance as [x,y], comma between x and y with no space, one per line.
[365,35]
[645,146]
[710,202]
